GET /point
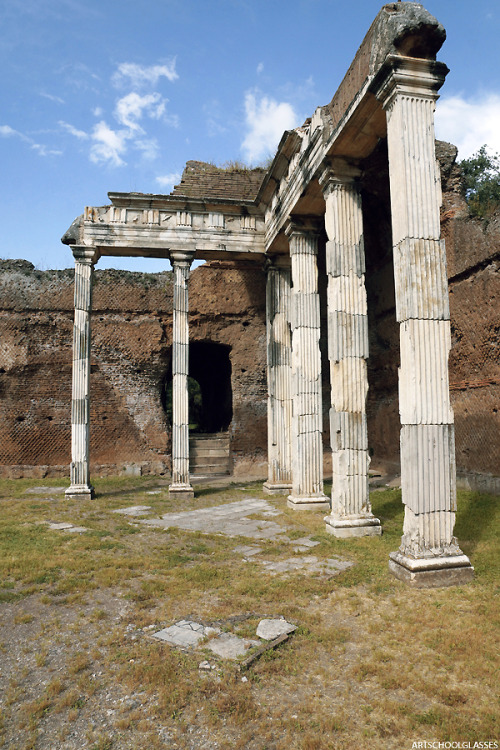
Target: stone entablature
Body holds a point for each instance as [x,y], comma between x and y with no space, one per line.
[152,225]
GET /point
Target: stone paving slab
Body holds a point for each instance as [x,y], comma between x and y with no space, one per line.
[230,646]
[46,491]
[185,633]
[307,564]
[269,629]
[63,526]
[230,519]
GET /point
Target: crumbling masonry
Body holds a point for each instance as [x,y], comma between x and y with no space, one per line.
[309,205]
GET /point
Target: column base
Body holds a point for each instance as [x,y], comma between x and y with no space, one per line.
[344,528]
[277,488]
[310,502]
[431,572]
[79,491]
[181,491]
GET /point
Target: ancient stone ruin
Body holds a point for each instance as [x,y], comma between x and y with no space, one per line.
[345,227]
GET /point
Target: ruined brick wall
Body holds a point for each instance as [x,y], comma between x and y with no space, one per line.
[130,365]
[132,340]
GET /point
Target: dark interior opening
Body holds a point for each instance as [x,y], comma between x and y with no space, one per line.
[209,388]
[210,366]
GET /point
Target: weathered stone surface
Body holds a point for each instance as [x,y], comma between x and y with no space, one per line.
[230,646]
[268,630]
[185,633]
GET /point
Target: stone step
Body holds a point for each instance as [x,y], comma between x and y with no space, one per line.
[202,469]
[215,460]
[200,452]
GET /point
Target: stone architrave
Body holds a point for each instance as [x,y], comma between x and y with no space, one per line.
[307,413]
[429,554]
[85,259]
[351,513]
[279,377]
[180,487]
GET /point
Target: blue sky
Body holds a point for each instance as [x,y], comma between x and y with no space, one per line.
[118,95]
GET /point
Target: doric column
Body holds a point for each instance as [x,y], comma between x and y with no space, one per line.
[429,554]
[347,352]
[85,258]
[180,487]
[307,413]
[279,376]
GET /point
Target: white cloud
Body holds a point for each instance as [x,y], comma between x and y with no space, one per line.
[44,150]
[52,98]
[97,111]
[168,181]
[149,148]
[266,120]
[469,123]
[139,76]
[81,134]
[260,67]
[108,145]
[7,132]
[131,108]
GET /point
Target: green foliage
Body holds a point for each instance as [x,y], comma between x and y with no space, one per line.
[481,174]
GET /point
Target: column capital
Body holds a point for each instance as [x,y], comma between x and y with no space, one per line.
[335,172]
[302,226]
[182,257]
[85,254]
[276,262]
[410,76]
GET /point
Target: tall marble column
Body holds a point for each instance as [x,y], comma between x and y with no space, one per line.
[307,413]
[85,258]
[279,376]
[351,513]
[429,554]
[180,487]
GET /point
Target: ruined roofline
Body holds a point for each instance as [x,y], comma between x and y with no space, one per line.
[401,28]
[159,200]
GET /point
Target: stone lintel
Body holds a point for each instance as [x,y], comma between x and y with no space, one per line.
[311,502]
[450,570]
[345,528]
[181,491]
[79,491]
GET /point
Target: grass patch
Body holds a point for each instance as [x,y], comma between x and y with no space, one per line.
[372,663]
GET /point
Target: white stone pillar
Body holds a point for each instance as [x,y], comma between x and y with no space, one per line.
[351,513]
[429,554]
[279,377]
[85,258]
[307,413]
[180,487]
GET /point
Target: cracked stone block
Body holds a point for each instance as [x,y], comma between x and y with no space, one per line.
[230,646]
[308,564]
[268,630]
[185,633]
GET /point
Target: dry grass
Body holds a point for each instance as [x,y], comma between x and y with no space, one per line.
[373,663]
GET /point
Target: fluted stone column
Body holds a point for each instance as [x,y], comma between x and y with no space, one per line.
[85,258]
[180,487]
[429,554]
[351,513]
[307,413]
[279,377]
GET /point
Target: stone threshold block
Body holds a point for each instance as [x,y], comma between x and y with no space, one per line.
[431,572]
[312,502]
[181,491]
[77,491]
[277,488]
[345,528]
